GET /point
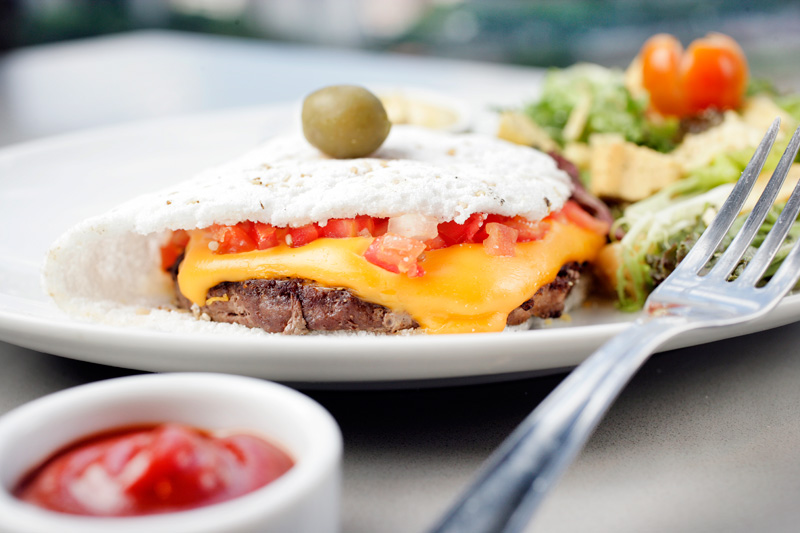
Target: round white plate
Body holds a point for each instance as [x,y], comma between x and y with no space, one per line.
[46,186]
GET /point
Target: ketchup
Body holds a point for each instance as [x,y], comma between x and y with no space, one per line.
[150,470]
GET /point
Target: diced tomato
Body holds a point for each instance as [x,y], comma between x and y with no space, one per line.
[396,254]
[173,249]
[264,235]
[296,237]
[481,234]
[435,243]
[454,233]
[575,214]
[339,228]
[528,230]
[381,226]
[365,226]
[231,239]
[501,239]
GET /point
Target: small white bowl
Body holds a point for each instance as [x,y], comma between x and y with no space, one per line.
[304,499]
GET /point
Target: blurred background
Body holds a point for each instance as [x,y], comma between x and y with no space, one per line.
[510,32]
[526,32]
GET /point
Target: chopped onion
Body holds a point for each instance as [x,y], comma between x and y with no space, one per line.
[414,226]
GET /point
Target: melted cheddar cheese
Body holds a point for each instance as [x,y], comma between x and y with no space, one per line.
[463,290]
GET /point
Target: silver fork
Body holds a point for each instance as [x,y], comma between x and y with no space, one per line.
[517,476]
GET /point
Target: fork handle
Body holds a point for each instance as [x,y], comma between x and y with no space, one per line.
[517,476]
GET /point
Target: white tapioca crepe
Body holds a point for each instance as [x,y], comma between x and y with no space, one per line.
[113,260]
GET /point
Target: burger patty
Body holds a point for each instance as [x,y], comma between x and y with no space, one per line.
[296,306]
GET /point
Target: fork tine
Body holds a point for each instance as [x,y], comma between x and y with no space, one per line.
[766,252]
[734,252]
[786,277]
[709,241]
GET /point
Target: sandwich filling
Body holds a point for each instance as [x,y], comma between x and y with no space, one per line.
[463,289]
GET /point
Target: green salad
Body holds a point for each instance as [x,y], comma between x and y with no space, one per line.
[663,175]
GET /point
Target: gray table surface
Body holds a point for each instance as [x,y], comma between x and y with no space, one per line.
[703,439]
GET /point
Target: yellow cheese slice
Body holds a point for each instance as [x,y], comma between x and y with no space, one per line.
[463,290]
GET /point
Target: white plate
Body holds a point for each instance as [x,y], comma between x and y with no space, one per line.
[47,186]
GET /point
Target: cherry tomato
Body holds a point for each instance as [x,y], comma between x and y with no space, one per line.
[714,74]
[711,73]
[661,63]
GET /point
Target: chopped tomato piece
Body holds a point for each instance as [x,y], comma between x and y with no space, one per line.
[435,243]
[381,226]
[231,239]
[301,236]
[396,254]
[481,235]
[528,230]
[339,228]
[171,251]
[454,233]
[501,239]
[365,226]
[575,214]
[264,235]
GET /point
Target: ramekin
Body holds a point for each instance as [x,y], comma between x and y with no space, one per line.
[304,499]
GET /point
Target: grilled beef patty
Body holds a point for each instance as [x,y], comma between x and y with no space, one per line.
[295,306]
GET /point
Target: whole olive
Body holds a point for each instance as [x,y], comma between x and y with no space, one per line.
[345,121]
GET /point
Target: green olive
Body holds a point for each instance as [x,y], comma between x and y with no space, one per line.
[345,121]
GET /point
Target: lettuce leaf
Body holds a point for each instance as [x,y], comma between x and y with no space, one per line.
[611,107]
[661,229]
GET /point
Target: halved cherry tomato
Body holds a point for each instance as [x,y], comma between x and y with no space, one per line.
[501,239]
[396,254]
[712,73]
[173,249]
[575,214]
[454,233]
[296,237]
[661,63]
[231,239]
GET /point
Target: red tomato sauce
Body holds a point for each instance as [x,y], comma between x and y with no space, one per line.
[151,470]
